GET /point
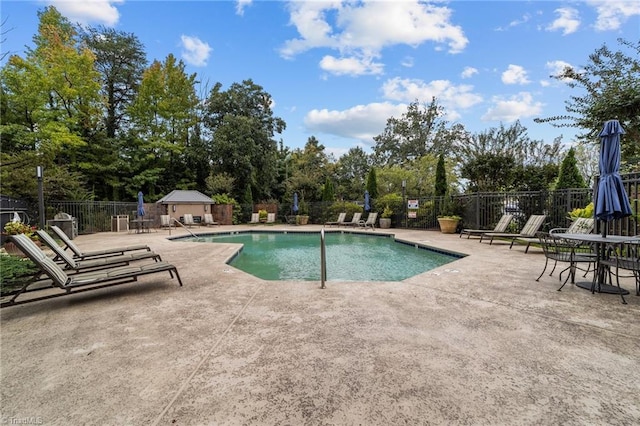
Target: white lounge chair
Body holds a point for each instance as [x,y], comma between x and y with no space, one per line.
[208,220]
[341,217]
[370,222]
[188,220]
[355,220]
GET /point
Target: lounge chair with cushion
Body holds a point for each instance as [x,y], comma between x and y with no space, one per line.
[579,226]
[502,225]
[83,281]
[92,264]
[255,218]
[355,220]
[208,220]
[166,221]
[370,222]
[529,230]
[271,218]
[341,217]
[582,225]
[94,253]
[188,220]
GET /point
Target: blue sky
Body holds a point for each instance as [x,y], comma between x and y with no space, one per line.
[338,70]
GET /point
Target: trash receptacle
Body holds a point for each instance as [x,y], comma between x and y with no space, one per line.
[120,223]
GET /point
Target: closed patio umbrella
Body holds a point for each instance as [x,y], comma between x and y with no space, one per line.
[367,203]
[141,211]
[295,202]
[612,201]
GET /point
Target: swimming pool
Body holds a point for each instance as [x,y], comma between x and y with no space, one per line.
[350,256]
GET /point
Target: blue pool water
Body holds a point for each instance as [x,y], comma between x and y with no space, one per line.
[350,257]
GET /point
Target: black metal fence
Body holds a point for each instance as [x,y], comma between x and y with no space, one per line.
[478,210]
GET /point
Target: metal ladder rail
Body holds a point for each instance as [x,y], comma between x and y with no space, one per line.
[185,228]
[323,260]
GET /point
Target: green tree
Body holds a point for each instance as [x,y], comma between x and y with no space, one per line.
[570,176]
[309,170]
[441,177]
[50,105]
[420,131]
[610,89]
[121,60]
[163,115]
[243,127]
[350,170]
[328,193]
[491,160]
[372,183]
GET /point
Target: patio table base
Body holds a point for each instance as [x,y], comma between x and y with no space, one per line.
[604,288]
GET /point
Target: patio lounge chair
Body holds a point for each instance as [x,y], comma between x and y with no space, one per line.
[582,225]
[255,218]
[79,282]
[355,220]
[529,230]
[271,218]
[579,226]
[166,221]
[92,264]
[188,220]
[95,253]
[341,217]
[502,225]
[370,222]
[208,220]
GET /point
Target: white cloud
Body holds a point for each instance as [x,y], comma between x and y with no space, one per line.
[407,62]
[568,21]
[612,13]
[361,122]
[525,18]
[363,29]
[195,51]
[468,72]
[241,5]
[515,74]
[450,96]
[351,66]
[89,12]
[513,108]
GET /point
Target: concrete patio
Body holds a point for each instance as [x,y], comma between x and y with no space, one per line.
[477,341]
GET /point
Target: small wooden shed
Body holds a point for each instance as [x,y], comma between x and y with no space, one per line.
[179,202]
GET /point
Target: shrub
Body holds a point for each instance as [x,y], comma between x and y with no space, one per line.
[14,271]
[585,212]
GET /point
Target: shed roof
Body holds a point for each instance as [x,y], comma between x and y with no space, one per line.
[178,196]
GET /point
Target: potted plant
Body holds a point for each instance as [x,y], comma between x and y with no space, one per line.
[14,228]
[262,215]
[448,219]
[303,217]
[385,217]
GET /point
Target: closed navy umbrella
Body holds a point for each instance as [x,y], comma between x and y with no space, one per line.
[612,201]
[367,203]
[141,211]
[295,202]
